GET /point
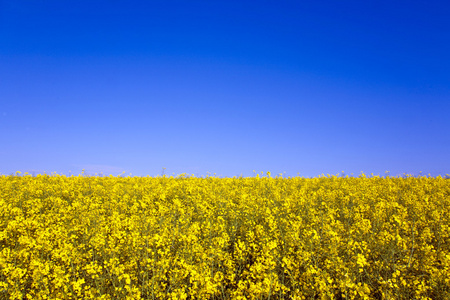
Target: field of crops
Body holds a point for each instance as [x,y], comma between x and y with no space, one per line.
[90,237]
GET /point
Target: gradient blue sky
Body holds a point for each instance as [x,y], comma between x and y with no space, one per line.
[225,87]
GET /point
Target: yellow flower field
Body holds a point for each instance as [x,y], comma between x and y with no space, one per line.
[90,237]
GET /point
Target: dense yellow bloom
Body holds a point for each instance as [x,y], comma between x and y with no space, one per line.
[183,237]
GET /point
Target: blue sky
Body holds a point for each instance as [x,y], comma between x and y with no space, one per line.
[225,87]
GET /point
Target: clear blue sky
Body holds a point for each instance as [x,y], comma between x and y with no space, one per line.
[225,87]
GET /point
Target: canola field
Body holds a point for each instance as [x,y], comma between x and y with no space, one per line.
[330,237]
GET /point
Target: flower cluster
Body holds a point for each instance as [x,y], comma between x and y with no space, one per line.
[330,237]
